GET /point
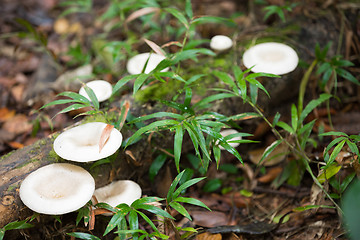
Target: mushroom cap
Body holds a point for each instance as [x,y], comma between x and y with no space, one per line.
[81,143]
[271,57]
[57,188]
[221,43]
[136,64]
[228,132]
[115,193]
[101,88]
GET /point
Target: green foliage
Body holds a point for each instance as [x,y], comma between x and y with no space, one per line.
[351,210]
[76,6]
[15,225]
[278,10]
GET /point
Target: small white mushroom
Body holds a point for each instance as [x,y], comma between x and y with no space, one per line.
[101,88]
[57,188]
[81,143]
[220,43]
[136,64]
[228,132]
[271,57]
[115,193]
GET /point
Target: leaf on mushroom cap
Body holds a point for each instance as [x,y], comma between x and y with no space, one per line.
[81,143]
[57,188]
[101,88]
[271,57]
[136,64]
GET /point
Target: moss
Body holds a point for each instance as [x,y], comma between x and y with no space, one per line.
[27,162]
[52,156]
[6,155]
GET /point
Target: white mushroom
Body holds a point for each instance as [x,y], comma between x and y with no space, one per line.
[115,193]
[57,188]
[220,43]
[101,88]
[228,132]
[271,57]
[136,64]
[81,143]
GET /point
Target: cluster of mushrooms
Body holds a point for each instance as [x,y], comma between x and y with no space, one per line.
[61,188]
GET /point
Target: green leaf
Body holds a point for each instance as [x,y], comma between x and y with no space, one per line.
[17,225]
[186,185]
[269,149]
[82,235]
[328,172]
[294,117]
[148,221]
[212,185]
[122,82]
[156,165]
[333,143]
[139,81]
[76,96]
[92,96]
[308,207]
[313,104]
[197,128]
[347,75]
[178,139]
[335,152]
[203,103]
[332,133]
[176,13]
[350,203]
[193,137]
[286,127]
[178,207]
[173,186]
[353,147]
[256,83]
[158,115]
[154,209]
[213,19]
[194,78]
[61,101]
[151,127]
[72,108]
[192,201]
[115,221]
[225,78]
[188,9]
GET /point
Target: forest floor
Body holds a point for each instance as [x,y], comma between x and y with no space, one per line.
[242,195]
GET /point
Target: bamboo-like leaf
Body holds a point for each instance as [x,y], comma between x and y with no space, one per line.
[92,96]
[72,107]
[332,133]
[158,115]
[308,207]
[335,152]
[155,47]
[225,78]
[286,127]
[151,127]
[139,81]
[202,143]
[115,221]
[193,137]
[188,9]
[192,201]
[141,12]
[313,104]
[173,186]
[178,207]
[148,221]
[269,149]
[294,117]
[328,172]
[178,139]
[60,101]
[123,114]
[105,136]
[155,210]
[333,143]
[176,13]
[257,84]
[82,235]
[203,103]
[76,96]
[186,185]
[171,75]
[353,147]
[122,82]
[213,19]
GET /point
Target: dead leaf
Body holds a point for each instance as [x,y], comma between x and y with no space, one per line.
[17,124]
[141,12]
[270,175]
[275,157]
[18,92]
[123,113]
[16,145]
[155,47]
[105,136]
[5,114]
[171,43]
[208,236]
[209,219]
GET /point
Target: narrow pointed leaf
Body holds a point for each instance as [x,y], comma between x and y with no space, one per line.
[178,139]
[122,82]
[176,13]
[123,115]
[186,185]
[82,235]
[173,186]
[92,96]
[155,47]
[178,207]
[313,104]
[105,136]
[269,149]
[139,81]
[192,201]
[158,115]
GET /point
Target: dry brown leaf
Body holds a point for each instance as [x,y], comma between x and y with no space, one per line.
[208,236]
[5,114]
[124,108]
[17,124]
[176,43]
[16,145]
[209,219]
[155,47]
[270,175]
[18,92]
[105,136]
[141,12]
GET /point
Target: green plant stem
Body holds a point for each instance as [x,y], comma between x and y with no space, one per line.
[298,151]
[171,223]
[303,84]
